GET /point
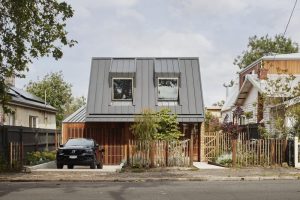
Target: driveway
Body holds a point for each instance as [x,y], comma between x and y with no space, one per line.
[51,167]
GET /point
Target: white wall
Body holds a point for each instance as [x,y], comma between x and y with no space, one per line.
[45,120]
[250,105]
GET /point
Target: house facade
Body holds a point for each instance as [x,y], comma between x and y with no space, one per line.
[28,111]
[257,81]
[121,88]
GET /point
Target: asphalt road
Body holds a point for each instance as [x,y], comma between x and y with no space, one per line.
[206,190]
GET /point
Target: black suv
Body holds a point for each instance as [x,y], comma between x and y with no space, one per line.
[79,151]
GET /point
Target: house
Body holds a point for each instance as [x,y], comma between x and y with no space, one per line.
[119,90]
[214,110]
[257,81]
[28,110]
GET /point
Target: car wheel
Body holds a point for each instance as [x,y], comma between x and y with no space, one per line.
[70,166]
[59,166]
[100,166]
[93,164]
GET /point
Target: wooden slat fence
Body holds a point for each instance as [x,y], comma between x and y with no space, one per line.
[160,153]
[263,152]
[15,155]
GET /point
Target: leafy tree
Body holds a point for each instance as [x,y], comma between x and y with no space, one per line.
[265,45]
[58,93]
[30,30]
[73,105]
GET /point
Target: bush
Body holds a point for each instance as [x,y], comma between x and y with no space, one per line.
[225,159]
[37,157]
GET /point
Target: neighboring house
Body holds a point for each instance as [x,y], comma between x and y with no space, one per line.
[254,82]
[121,88]
[215,111]
[28,111]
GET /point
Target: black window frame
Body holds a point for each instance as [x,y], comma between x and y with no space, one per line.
[112,91]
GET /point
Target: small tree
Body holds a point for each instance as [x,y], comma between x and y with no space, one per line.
[211,122]
[145,126]
[168,126]
[162,125]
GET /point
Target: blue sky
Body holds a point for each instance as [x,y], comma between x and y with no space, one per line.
[216,31]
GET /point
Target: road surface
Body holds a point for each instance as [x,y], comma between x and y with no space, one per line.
[206,190]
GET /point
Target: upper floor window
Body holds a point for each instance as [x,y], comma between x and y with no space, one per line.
[168,89]
[122,89]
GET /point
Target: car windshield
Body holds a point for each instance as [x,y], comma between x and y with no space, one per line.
[79,142]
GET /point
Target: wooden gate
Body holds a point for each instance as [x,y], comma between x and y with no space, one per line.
[215,144]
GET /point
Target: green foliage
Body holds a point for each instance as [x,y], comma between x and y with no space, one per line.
[168,126]
[277,93]
[58,92]
[265,45]
[264,134]
[145,126]
[73,105]
[225,159]
[211,122]
[162,125]
[30,30]
[248,115]
[37,157]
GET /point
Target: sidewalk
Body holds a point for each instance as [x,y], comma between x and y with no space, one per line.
[159,174]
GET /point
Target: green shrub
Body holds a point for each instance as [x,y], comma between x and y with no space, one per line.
[37,157]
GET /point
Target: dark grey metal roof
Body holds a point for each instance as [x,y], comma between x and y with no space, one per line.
[23,98]
[77,116]
[190,107]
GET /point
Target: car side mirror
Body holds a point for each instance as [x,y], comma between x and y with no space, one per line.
[61,145]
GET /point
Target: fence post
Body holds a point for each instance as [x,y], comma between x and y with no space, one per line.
[151,154]
[167,152]
[233,152]
[191,150]
[272,152]
[297,164]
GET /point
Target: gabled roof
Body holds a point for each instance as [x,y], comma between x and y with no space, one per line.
[77,116]
[26,99]
[99,104]
[262,86]
[291,56]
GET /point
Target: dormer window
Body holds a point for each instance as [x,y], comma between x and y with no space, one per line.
[168,89]
[122,89]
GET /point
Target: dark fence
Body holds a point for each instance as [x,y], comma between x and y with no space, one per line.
[29,139]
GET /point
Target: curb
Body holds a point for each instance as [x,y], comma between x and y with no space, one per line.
[212,178]
[28,169]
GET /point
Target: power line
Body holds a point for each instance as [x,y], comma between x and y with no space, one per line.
[287,25]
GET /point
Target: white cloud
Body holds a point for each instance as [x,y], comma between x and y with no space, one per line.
[211,7]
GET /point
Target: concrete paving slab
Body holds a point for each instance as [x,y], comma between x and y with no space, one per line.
[204,165]
[51,167]
[106,168]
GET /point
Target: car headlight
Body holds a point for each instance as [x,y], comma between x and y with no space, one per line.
[60,152]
